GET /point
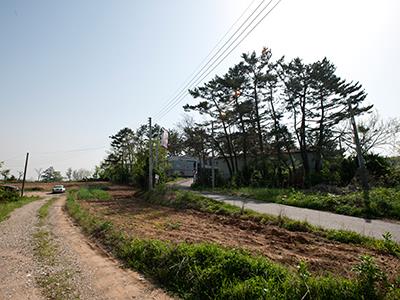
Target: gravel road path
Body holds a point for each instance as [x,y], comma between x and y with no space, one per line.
[87,271]
[17,266]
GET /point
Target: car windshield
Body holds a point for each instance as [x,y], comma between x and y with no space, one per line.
[58,186]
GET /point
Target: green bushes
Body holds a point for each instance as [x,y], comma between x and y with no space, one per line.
[209,271]
[8,195]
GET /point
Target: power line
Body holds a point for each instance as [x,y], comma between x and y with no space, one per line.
[196,70]
[72,150]
[215,54]
[180,98]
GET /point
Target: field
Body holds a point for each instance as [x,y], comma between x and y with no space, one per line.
[136,217]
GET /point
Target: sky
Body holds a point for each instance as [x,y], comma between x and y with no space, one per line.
[72,73]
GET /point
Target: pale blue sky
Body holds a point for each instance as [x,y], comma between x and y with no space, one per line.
[74,72]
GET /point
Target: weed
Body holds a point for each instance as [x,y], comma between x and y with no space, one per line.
[172,225]
[389,245]
[43,211]
[304,274]
[44,248]
[369,275]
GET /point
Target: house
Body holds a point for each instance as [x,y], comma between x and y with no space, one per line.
[185,166]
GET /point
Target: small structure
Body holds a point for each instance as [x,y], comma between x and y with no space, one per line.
[184,166]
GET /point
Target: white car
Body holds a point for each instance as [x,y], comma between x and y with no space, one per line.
[58,189]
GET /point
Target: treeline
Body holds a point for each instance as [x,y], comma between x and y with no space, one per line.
[127,160]
[273,122]
[278,122]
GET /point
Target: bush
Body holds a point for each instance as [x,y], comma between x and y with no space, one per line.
[369,275]
[8,195]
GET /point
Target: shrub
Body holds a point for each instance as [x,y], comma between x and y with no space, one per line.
[369,275]
[8,195]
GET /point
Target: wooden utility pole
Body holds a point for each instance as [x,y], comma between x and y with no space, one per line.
[150,156]
[212,157]
[23,180]
[361,161]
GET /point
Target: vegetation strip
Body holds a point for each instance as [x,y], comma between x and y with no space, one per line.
[384,202]
[209,271]
[7,204]
[53,279]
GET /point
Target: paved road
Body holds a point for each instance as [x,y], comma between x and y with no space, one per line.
[373,228]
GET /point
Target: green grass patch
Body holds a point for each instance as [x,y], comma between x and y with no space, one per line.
[7,207]
[44,248]
[93,194]
[209,271]
[384,202]
[43,211]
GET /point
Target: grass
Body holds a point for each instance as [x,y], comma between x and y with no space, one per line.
[93,193]
[191,200]
[385,202]
[7,207]
[43,211]
[209,271]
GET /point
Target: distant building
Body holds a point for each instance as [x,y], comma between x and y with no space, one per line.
[221,165]
[185,166]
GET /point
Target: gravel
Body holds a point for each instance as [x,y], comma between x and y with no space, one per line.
[17,265]
[73,269]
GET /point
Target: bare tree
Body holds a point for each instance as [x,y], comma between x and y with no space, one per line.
[375,133]
[81,174]
[39,173]
[69,174]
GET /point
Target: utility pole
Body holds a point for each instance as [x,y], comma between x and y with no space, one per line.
[157,148]
[150,157]
[212,156]
[23,180]
[360,157]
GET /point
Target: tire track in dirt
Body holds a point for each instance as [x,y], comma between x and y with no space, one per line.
[17,265]
[101,276]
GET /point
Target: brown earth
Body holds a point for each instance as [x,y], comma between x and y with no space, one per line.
[47,186]
[138,218]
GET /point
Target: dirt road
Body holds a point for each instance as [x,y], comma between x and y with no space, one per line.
[91,273]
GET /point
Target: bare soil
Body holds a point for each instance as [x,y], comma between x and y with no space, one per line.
[140,219]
